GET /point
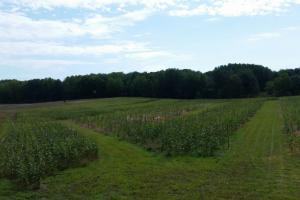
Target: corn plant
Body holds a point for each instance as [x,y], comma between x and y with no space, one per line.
[30,151]
[290,107]
[177,130]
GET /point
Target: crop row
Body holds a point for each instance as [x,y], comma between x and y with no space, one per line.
[30,151]
[188,131]
[73,110]
[290,107]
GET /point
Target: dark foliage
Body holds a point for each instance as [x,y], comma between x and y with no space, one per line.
[228,81]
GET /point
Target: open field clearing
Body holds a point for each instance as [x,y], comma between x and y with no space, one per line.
[149,100]
[161,149]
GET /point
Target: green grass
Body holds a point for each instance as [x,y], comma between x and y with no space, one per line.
[258,165]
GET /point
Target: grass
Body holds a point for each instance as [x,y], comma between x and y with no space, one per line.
[258,165]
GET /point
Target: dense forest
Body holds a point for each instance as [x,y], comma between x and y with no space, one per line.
[228,81]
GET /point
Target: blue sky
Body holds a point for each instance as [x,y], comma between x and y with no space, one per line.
[57,38]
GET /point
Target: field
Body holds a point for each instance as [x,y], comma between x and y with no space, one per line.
[140,148]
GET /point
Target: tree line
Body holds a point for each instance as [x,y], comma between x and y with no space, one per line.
[228,81]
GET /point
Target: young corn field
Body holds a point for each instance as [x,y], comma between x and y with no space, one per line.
[195,130]
[39,141]
[165,107]
[30,151]
[35,145]
[290,108]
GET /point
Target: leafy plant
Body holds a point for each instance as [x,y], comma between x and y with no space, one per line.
[290,107]
[32,150]
[181,129]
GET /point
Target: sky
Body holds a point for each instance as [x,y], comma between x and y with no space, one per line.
[58,38]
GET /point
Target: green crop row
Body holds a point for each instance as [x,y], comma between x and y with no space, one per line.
[74,110]
[290,107]
[30,151]
[183,129]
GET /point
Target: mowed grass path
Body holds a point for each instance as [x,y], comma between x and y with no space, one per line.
[258,165]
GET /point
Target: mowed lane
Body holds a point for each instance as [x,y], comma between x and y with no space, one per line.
[258,165]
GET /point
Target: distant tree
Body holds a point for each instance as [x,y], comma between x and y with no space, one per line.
[141,86]
[234,86]
[11,91]
[115,84]
[282,85]
[227,81]
[39,90]
[249,83]
[295,84]
[262,74]
[270,88]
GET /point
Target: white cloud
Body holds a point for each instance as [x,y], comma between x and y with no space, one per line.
[175,7]
[149,55]
[56,49]
[92,4]
[236,8]
[264,36]
[98,25]
[55,56]
[213,19]
[38,64]
[17,26]
[31,30]
[273,35]
[292,28]
[24,41]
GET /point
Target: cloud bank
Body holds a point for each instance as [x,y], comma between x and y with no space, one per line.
[88,28]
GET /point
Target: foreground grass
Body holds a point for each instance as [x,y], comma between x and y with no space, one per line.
[123,171]
[257,166]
